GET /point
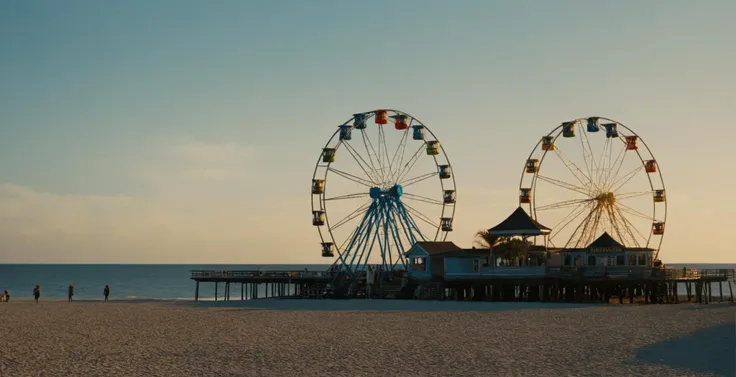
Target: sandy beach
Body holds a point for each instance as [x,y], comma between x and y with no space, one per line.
[322,338]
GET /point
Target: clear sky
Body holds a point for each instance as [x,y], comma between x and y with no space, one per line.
[187,131]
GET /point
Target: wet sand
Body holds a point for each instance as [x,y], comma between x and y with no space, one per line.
[347,338]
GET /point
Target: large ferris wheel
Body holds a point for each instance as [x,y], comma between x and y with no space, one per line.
[594,175]
[378,188]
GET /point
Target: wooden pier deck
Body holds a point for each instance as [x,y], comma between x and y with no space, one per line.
[576,284]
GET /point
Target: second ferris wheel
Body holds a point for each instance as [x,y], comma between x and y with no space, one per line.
[594,175]
[382,183]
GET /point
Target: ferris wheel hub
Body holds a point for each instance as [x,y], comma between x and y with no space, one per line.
[606,198]
[394,191]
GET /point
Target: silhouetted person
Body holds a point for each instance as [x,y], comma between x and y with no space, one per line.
[71,292]
[36,293]
[106,292]
[7,295]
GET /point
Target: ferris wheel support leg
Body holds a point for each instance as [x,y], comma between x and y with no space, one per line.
[413,227]
[397,240]
[374,218]
[358,237]
[388,258]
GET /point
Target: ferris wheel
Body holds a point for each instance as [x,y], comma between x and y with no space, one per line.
[595,175]
[378,188]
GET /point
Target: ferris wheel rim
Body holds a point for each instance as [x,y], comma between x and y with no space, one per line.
[555,134]
[319,200]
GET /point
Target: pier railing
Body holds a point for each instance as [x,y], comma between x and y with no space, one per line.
[608,272]
[645,273]
[226,274]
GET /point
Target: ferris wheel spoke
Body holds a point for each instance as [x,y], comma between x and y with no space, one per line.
[629,226]
[588,227]
[591,166]
[399,153]
[420,215]
[563,204]
[385,163]
[349,196]
[583,224]
[615,168]
[369,150]
[418,179]
[615,230]
[345,242]
[575,170]
[404,171]
[596,224]
[564,185]
[626,178]
[422,199]
[574,214]
[358,212]
[631,195]
[623,229]
[632,211]
[351,177]
[365,166]
[604,162]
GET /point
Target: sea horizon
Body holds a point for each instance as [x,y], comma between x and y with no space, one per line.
[131,282]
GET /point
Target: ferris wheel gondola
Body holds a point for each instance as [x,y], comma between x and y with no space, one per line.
[592,176]
[391,186]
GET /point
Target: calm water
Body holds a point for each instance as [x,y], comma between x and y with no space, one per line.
[130,282]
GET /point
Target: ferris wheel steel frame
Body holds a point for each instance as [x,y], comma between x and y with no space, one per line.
[386,218]
[554,135]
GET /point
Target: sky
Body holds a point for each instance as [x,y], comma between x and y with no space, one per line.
[187,131]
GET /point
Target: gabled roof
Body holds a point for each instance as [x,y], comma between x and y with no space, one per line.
[519,223]
[605,240]
[433,248]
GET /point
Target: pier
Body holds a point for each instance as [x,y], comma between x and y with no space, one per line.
[565,284]
[283,283]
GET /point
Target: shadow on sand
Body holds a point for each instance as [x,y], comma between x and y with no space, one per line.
[385,305]
[712,350]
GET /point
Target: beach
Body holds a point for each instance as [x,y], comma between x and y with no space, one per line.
[346,338]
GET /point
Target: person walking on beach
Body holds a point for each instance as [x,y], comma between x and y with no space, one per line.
[36,293]
[71,292]
[7,295]
[106,292]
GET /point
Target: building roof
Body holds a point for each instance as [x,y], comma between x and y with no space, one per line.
[606,243]
[519,223]
[605,240]
[435,247]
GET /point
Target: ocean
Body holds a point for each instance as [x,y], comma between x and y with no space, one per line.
[149,282]
[126,281]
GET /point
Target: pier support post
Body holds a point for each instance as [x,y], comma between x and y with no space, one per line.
[196,292]
[216,284]
[242,291]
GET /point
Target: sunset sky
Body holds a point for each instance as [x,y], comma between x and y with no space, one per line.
[187,131]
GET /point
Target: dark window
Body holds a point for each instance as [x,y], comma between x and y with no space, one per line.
[620,260]
[591,260]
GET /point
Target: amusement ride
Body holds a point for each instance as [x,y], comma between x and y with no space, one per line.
[594,175]
[382,182]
